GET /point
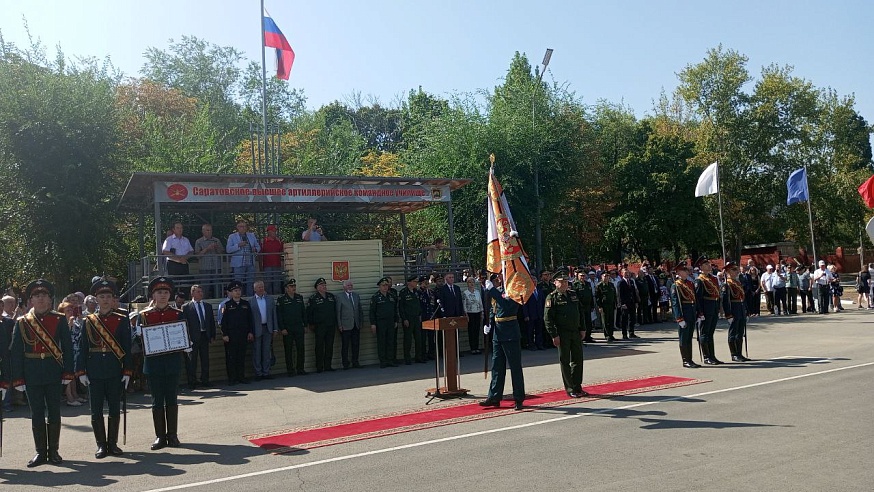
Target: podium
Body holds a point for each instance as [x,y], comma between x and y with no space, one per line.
[451,387]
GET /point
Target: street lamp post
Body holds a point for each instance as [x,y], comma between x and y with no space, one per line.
[538,235]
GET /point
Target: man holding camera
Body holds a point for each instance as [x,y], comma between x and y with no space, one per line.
[314,231]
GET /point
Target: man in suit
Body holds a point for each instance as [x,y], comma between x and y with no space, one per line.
[450,298]
[533,314]
[350,314]
[242,246]
[201,331]
[654,292]
[264,323]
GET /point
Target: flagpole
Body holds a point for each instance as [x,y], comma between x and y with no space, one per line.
[810,215]
[719,198]
[264,86]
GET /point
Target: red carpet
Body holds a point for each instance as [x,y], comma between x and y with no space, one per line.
[289,440]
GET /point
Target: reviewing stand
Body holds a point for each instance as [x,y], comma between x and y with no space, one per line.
[451,386]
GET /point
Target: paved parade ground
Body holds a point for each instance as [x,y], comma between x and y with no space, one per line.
[797,418]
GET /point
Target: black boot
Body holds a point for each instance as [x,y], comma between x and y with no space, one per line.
[740,350]
[100,437]
[112,437]
[686,354]
[172,426]
[713,353]
[705,348]
[42,448]
[160,422]
[54,441]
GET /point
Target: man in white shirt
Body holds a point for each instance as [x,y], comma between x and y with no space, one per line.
[177,248]
[264,323]
[821,278]
[767,282]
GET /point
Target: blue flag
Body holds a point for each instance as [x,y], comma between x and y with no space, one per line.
[796,185]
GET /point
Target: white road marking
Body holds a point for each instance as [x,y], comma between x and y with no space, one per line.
[493,431]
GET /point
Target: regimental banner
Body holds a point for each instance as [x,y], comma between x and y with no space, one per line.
[291,192]
[339,271]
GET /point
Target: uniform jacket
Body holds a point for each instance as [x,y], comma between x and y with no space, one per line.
[94,357]
[322,311]
[562,312]
[45,370]
[236,319]
[508,310]
[163,364]
[291,313]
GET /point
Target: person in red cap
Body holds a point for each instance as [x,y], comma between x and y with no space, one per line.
[271,261]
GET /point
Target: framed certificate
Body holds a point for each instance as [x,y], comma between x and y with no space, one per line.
[165,338]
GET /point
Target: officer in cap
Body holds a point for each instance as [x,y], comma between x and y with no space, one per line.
[410,313]
[42,361]
[605,297]
[506,346]
[291,314]
[163,369]
[237,327]
[562,313]
[686,312]
[708,295]
[322,317]
[104,365]
[735,310]
[383,319]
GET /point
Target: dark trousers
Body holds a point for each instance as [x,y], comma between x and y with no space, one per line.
[586,322]
[474,328]
[293,345]
[386,342]
[350,341]
[108,390]
[534,331]
[236,359]
[711,316]
[737,330]
[654,308]
[413,340]
[769,301]
[780,300]
[643,313]
[199,351]
[45,403]
[570,357]
[164,388]
[212,288]
[506,353]
[804,296]
[175,268]
[686,334]
[824,295]
[609,322]
[810,304]
[792,294]
[324,346]
[626,320]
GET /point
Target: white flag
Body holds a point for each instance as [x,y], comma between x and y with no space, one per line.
[870,229]
[708,183]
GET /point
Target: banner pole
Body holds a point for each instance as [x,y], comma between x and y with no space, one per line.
[264,89]
[721,227]
[810,216]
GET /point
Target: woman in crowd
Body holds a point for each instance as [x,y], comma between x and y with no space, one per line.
[69,310]
[836,289]
[473,307]
[753,295]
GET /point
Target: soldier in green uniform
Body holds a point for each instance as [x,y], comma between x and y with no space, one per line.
[410,313]
[383,322]
[506,346]
[587,303]
[103,364]
[605,296]
[322,317]
[562,317]
[41,356]
[545,282]
[291,315]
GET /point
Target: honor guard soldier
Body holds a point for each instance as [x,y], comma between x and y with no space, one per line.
[605,296]
[685,306]
[587,303]
[506,346]
[103,365]
[410,312]
[322,317]
[237,327]
[735,312]
[291,313]
[41,356]
[707,293]
[383,323]
[163,370]
[562,313]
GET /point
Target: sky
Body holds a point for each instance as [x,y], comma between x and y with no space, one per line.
[619,51]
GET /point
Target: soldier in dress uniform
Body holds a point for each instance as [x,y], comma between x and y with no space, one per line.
[410,313]
[605,296]
[587,303]
[735,311]
[41,357]
[292,316]
[685,306]
[104,365]
[322,317]
[545,282]
[237,327]
[562,316]
[506,346]
[163,370]
[707,293]
[383,322]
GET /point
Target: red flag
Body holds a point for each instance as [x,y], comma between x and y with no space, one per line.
[866,189]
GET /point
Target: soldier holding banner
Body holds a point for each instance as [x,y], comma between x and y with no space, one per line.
[103,365]
[42,360]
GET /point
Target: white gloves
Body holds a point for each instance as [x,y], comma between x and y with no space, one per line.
[188,350]
[700,318]
[84,380]
[66,381]
[21,388]
[487,329]
[2,394]
[682,324]
[488,285]
[126,380]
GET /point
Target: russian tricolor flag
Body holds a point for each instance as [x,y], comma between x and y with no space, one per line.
[273,38]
